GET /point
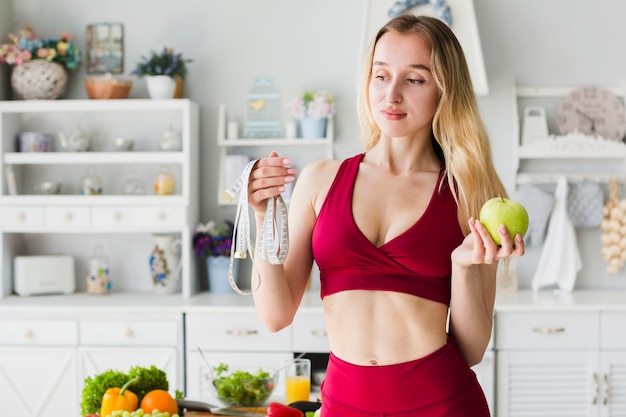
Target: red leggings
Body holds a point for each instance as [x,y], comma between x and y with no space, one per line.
[439,384]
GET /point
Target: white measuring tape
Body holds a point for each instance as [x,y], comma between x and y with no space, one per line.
[273,242]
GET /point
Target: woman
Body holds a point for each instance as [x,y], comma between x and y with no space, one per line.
[398,248]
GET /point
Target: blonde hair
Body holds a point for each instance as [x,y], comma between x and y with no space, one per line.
[459,135]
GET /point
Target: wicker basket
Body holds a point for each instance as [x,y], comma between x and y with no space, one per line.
[39,80]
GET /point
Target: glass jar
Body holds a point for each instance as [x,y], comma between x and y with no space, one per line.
[170,140]
[98,274]
[91,184]
[133,185]
[164,184]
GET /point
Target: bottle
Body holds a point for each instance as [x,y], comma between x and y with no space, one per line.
[98,273]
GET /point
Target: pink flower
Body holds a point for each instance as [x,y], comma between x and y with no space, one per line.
[42,53]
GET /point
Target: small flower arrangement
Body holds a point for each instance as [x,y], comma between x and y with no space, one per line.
[211,239]
[316,104]
[27,46]
[164,63]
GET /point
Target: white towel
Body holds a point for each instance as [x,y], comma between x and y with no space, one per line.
[560,259]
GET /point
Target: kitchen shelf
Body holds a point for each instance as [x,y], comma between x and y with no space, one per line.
[576,156]
[258,147]
[115,219]
[89,158]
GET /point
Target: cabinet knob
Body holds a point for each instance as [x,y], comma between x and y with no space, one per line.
[128,333]
[548,330]
[21,217]
[28,334]
[117,216]
[596,389]
[161,216]
[241,332]
[68,217]
[605,389]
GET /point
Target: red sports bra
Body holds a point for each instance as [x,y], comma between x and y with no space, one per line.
[417,262]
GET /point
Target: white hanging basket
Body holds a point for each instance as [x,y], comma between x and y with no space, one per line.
[39,79]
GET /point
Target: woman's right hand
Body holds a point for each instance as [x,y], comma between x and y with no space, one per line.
[268,179]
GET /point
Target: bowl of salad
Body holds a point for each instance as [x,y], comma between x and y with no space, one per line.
[243,387]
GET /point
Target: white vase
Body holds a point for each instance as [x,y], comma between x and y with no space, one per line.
[165,264]
[161,86]
[311,128]
[217,271]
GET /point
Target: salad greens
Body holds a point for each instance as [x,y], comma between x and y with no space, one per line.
[242,388]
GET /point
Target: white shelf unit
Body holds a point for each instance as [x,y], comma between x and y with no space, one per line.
[258,147]
[577,157]
[122,219]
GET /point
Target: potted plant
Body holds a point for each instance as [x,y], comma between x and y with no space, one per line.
[312,109]
[40,64]
[212,241]
[164,73]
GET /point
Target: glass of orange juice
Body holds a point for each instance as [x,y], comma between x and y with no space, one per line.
[298,380]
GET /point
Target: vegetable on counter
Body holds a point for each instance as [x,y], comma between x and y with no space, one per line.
[281,410]
[149,379]
[119,399]
[160,400]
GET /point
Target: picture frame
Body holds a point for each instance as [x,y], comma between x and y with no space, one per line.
[105,48]
[464,26]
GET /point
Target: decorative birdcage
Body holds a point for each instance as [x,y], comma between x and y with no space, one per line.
[263,111]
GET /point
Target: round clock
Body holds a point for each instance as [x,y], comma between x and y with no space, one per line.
[593,111]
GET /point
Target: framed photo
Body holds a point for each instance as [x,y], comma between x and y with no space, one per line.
[105,48]
[463,24]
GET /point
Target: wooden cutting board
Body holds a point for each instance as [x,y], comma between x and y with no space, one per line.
[209,414]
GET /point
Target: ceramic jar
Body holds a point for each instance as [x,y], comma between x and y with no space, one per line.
[98,273]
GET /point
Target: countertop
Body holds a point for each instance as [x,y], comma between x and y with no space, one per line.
[522,300]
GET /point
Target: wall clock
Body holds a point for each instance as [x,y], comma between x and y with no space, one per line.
[593,111]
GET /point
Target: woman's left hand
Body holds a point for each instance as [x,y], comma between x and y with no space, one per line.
[479,248]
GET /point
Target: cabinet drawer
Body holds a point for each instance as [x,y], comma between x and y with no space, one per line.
[547,330]
[129,332]
[161,216]
[612,330]
[233,331]
[21,218]
[67,218]
[113,218]
[38,332]
[309,333]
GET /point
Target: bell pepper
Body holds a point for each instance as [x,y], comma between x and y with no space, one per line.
[119,399]
[281,410]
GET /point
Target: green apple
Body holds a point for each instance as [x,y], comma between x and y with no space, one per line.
[511,214]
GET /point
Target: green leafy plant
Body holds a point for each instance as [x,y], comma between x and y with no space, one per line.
[27,46]
[164,63]
[149,379]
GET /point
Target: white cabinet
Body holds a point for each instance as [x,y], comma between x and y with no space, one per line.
[561,363]
[35,224]
[255,148]
[578,157]
[38,367]
[235,337]
[45,361]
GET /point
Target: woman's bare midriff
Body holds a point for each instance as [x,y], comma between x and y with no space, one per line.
[383,327]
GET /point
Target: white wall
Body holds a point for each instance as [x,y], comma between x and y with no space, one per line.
[317,44]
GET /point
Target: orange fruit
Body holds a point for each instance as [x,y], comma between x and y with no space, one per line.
[161,400]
